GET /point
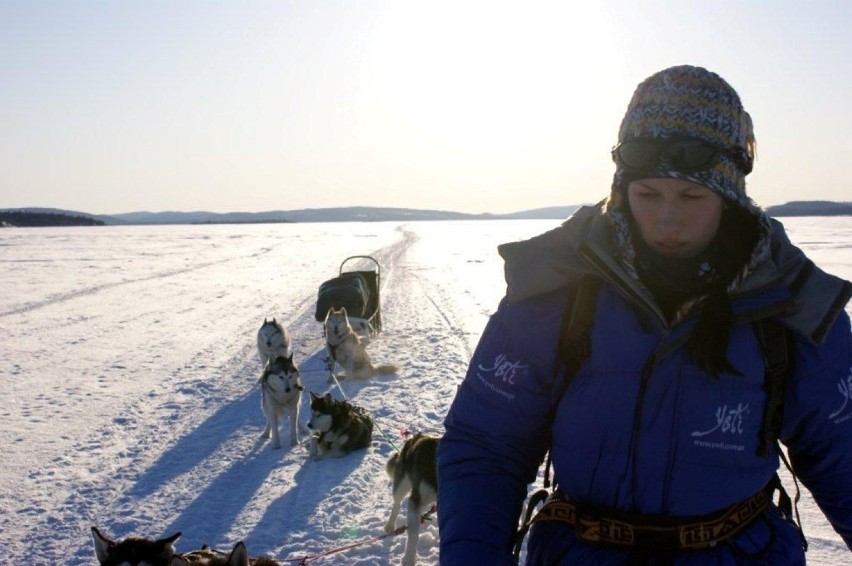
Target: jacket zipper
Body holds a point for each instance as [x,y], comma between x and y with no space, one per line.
[647,368]
[618,282]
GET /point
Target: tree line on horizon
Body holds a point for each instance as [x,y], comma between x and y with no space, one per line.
[44,219]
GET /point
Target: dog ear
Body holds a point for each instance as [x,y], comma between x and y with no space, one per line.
[314,396]
[239,555]
[103,545]
[168,544]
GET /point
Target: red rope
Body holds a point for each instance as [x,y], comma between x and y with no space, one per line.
[311,558]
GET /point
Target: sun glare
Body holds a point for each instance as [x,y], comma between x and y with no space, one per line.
[492,78]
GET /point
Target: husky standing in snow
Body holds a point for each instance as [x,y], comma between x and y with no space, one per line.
[413,470]
[133,551]
[281,394]
[272,340]
[339,427]
[347,348]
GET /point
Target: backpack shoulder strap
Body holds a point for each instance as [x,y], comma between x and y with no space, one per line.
[572,349]
[575,343]
[574,346]
[776,346]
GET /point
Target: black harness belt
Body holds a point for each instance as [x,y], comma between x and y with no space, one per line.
[608,526]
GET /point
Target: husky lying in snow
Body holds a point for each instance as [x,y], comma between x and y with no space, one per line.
[348,349]
[281,394]
[413,470]
[133,551]
[272,340]
[339,427]
[209,557]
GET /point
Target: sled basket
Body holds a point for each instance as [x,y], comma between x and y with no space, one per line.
[357,292]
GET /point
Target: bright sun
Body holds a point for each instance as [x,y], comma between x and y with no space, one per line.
[485,77]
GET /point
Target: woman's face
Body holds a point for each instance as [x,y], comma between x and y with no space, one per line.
[676,218]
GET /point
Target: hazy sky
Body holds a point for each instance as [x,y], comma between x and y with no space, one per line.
[119,106]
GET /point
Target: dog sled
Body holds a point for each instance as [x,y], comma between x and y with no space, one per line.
[357,292]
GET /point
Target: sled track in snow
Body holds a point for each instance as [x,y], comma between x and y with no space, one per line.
[95,289]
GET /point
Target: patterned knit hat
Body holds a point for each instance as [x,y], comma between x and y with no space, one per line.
[688,102]
[691,102]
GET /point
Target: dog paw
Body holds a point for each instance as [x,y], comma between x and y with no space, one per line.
[390,527]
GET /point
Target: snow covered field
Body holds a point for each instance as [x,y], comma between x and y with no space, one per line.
[128,395]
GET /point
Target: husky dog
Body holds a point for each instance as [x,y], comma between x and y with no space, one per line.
[348,349]
[133,551]
[281,394]
[412,469]
[339,427]
[210,557]
[272,340]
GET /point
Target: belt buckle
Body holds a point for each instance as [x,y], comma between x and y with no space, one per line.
[697,536]
[593,528]
[588,527]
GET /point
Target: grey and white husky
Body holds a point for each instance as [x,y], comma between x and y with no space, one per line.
[272,340]
[413,471]
[133,551]
[348,349]
[281,394]
[339,427]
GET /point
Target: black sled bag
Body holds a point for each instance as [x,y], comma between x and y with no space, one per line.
[349,291]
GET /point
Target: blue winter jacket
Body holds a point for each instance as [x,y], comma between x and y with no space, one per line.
[640,428]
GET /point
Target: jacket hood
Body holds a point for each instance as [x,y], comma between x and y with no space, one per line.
[584,244]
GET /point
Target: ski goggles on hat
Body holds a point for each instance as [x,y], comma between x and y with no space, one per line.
[688,155]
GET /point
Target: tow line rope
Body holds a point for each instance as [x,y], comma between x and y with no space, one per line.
[427,516]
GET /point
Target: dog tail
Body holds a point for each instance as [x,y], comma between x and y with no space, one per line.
[390,467]
[385,369]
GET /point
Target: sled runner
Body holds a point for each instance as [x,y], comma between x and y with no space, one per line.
[358,293]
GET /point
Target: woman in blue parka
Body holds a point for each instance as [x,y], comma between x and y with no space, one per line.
[658,444]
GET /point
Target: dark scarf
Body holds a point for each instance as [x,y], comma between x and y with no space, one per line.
[674,281]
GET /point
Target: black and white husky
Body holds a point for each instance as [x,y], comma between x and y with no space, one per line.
[413,470]
[281,394]
[347,348]
[133,551]
[273,340]
[339,427]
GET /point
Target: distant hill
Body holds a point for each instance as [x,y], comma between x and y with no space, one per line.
[351,214]
[343,214]
[811,208]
